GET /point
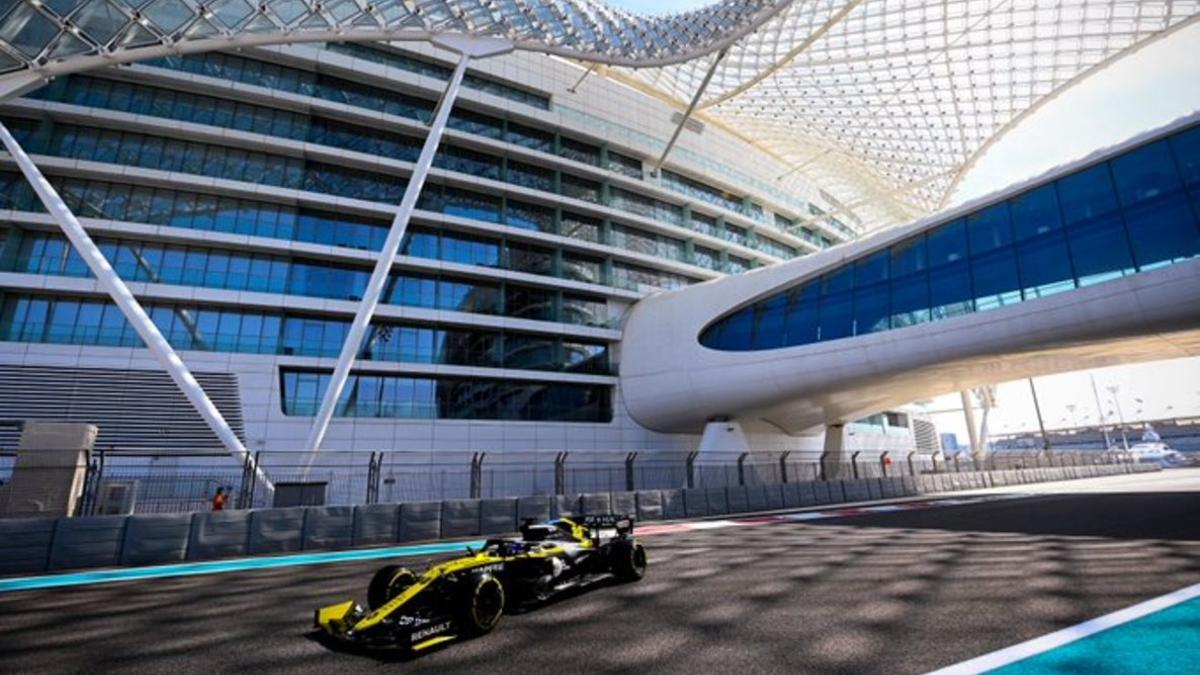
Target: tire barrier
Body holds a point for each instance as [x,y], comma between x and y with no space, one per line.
[43,544]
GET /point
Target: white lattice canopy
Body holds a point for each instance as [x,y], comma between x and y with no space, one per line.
[881,103]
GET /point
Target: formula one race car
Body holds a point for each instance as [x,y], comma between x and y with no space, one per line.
[467,596]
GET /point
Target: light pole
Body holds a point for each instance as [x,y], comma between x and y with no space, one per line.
[1100,413]
[1113,389]
[1041,425]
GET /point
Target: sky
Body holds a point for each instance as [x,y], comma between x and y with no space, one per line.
[1146,89]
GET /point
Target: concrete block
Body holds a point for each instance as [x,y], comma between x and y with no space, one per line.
[536,508]
[420,521]
[596,503]
[624,503]
[695,502]
[327,527]
[926,483]
[806,492]
[856,490]
[566,506]
[874,488]
[773,492]
[376,524]
[756,496]
[26,544]
[498,516]
[460,518]
[649,505]
[717,503]
[673,505]
[87,542]
[791,495]
[48,473]
[824,491]
[735,498]
[277,530]
[219,534]
[156,538]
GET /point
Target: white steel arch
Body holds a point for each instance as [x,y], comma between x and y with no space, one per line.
[881,103]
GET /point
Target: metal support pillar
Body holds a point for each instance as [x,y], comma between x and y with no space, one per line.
[560,473]
[1037,408]
[477,474]
[912,469]
[712,70]
[834,455]
[854,463]
[629,474]
[690,467]
[575,87]
[972,430]
[884,461]
[112,284]
[741,464]
[783,477]
[467,48]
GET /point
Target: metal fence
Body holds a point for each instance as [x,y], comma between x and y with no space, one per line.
[126,482]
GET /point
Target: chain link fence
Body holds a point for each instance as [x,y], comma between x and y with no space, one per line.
[125,482]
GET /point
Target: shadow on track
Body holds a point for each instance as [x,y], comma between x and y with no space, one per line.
[1173,516]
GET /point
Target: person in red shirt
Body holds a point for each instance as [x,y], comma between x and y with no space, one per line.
[218,500]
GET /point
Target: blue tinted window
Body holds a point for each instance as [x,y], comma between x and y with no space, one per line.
[837,315]
[872,270]
[838,282]
[802,316]
[950,290]
[736,331]
[989,229]
[994,277]
[872,308]
[947,244]
[1045,265]
[1158,215]
[769,322]
[910,300]
[1087,194]
[1186,147]
[908,257]
[1035,212]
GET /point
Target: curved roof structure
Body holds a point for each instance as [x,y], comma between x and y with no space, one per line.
[884,104]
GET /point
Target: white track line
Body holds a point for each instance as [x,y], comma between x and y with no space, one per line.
[1066,636]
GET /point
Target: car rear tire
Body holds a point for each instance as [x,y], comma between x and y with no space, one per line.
[388,582]
[481,604]
[629,561]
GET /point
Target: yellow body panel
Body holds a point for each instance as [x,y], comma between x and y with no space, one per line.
[432,641]
[333,617]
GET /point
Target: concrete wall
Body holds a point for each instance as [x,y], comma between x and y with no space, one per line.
[40,544]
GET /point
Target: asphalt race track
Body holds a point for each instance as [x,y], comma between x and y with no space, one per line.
[901,592]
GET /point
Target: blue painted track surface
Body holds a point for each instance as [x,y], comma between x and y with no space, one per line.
[1166,642]
[219,566]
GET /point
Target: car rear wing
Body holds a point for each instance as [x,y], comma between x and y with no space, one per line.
[622,523]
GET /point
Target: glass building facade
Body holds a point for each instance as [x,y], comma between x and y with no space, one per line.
[244,194]
[1135,212]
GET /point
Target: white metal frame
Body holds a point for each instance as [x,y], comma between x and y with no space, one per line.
[108,279]
[467,48]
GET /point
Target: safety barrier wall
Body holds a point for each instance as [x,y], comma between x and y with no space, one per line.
[41,544]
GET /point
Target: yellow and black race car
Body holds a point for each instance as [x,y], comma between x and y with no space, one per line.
[467,596]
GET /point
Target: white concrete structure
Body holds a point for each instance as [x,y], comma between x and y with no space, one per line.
[546,220]
[673,383]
